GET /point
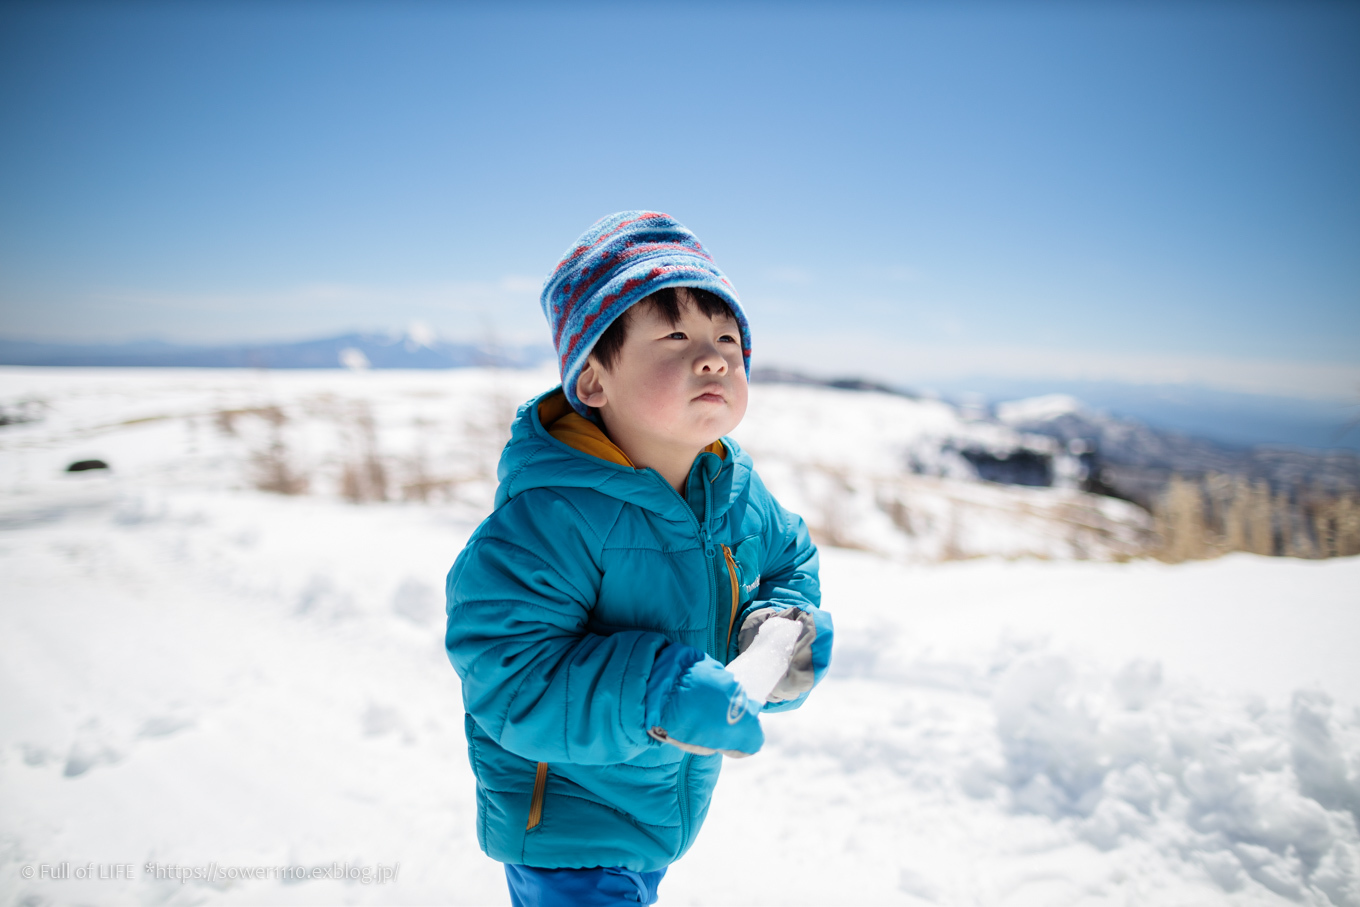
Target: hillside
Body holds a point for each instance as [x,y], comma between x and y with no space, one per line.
[869,470]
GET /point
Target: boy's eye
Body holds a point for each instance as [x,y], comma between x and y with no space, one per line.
[727,338]
[676,335]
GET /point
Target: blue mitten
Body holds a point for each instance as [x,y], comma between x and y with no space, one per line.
[694,703]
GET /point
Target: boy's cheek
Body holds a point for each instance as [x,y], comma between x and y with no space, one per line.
[665,390]
[650,399]
[740,395]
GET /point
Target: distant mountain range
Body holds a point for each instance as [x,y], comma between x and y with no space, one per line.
[1232,418]
[1136,461]
[1129,459]
[412,350]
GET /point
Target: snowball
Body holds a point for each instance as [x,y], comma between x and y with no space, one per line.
[766,659]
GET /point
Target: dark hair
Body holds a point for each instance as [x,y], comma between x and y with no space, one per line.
[668,305]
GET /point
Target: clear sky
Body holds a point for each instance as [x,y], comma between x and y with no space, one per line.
[1119,192]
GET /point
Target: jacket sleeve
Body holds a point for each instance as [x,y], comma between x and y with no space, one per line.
[534,678]
[789,579]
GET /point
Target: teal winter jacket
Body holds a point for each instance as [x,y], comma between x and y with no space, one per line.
[558,609]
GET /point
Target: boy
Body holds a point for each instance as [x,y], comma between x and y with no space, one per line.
[632,553]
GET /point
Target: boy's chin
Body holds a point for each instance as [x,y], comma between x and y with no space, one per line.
[700,440]
[706,431]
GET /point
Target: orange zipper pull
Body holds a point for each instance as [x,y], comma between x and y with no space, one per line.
[736,595]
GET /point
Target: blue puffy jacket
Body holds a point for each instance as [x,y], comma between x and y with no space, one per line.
[557,610]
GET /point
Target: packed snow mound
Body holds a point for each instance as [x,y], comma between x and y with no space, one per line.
[1237,800]
[993,737]
[1247,792]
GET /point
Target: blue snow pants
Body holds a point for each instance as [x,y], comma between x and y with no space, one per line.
[607,887]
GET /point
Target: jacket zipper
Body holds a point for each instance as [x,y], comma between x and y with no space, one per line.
[682,793]
[701,530]
[736,597]
[536,804]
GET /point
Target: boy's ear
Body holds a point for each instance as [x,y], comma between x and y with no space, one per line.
[589,390]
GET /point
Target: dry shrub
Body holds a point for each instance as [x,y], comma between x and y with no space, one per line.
[362,475]
[1336,526]
[1218,514]
[1245,512]
[897,511]
[487,429]
[421,485]
[831,521]
[274,470]
[1180,522]
[16,412]
[226,419]
[274,473]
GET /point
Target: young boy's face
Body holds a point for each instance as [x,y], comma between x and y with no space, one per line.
[681,385]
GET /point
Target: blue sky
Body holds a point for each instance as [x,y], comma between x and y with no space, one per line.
[1165,193]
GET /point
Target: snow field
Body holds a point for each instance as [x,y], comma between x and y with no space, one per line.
[193,671]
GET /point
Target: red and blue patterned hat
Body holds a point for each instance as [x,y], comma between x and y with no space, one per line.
[620,260]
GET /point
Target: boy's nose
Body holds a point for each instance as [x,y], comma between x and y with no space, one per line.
[711,362]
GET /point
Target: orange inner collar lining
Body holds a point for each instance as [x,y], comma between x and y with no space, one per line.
[579,433]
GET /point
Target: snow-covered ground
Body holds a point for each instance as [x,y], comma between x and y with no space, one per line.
[872,471]
[195,672]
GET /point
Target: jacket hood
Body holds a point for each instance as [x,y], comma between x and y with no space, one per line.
[534,458]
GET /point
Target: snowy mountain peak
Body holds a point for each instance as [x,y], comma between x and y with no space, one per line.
[1039,409]
[419,334]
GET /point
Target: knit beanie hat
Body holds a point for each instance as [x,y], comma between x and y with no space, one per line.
[620,260]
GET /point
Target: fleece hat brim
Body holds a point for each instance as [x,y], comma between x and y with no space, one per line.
[619,261]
